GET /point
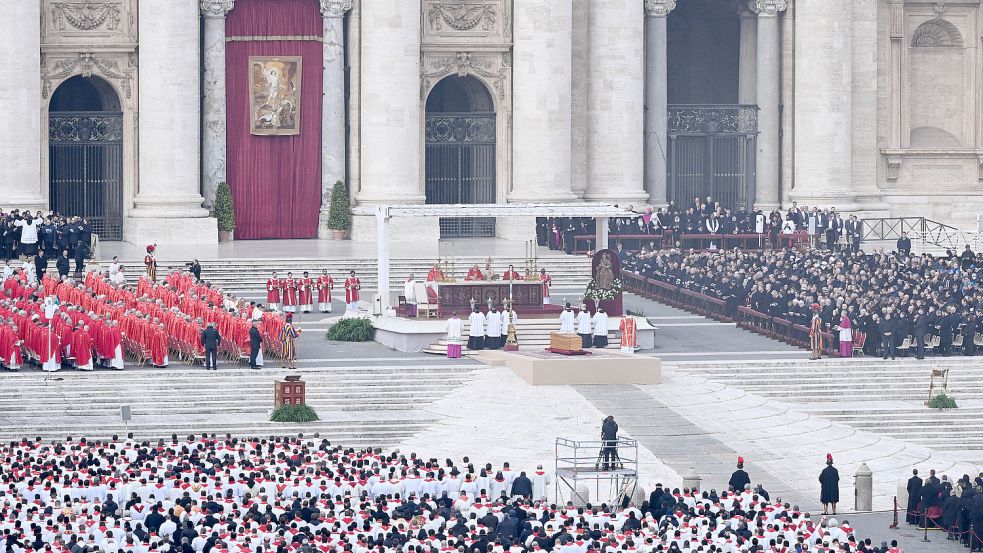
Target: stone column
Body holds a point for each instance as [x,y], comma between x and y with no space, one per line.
[214,138]
[20,101]
[824,104]
[541,71]
[391,108]
[167,207]
[333,103]
[767,157]
[748,79]
[656,99]
[616,103]
[391,113]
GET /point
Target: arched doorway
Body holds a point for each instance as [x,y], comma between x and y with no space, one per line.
[85,131]
[711,136]
[460,152]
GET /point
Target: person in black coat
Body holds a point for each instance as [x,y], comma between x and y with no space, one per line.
[81,253]
[904,245]
[829,481]
[739,479]
[887,327]
[914,497]
[40,264]
[195,268]
[64,264]
[255,343]
[609,437]
[920,330]
[522,486]
[210,339]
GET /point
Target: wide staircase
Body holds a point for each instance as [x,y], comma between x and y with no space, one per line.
[247,277]
[358,405]
[887,397]
[530,334]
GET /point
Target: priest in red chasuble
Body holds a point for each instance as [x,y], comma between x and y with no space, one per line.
[352,286]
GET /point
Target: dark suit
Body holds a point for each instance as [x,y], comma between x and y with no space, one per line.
[255,342]
[920,329]
[210,339]
[64,266]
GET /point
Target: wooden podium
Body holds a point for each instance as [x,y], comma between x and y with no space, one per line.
[292,391]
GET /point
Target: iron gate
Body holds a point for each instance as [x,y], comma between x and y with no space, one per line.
[711,153]
[86,168]
[460,168]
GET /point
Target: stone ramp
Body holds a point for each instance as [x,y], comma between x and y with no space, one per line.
[886,397]
[358,405]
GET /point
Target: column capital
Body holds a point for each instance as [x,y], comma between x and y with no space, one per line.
[216,8]
[659,8]
[769,8]
[335,8]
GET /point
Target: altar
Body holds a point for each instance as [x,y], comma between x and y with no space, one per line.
[526,296]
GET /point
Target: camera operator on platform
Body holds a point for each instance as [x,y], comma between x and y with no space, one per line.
[609,447]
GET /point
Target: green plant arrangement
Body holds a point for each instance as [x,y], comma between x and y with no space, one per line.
[942,401]
[224,210]
[294,413]
[600,294]
[339,215]
[351,330]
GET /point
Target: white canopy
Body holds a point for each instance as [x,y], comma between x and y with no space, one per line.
[383,213]
[594,210]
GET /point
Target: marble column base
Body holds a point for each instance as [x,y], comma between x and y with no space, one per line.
[401,229]
[170,230]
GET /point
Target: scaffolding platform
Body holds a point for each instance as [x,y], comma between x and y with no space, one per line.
[582,468]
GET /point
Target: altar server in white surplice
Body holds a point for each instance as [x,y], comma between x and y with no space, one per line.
[583,327]
[493,336]
[600,328]
[476,330]
[566,319]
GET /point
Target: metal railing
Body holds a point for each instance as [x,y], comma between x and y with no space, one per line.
[923,232]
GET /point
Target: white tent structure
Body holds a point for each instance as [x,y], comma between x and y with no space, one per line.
[384,213]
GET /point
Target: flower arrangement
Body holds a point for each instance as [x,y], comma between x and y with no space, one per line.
[597,293]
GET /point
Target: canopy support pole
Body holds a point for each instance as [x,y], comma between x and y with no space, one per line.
[382,224]
[601,234]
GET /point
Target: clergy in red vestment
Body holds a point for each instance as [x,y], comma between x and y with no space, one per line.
[113,345]
[10,348]
[324,286]
[352,286]
[82,348]
[435,274]
[474,273]
[273,292]
[306,293]
[628,327]
[289,287]
[511,274]
[547,282]
[47,346]
[158,345]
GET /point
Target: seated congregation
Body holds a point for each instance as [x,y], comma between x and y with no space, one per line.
[290,494]
[879,302]
[57,323]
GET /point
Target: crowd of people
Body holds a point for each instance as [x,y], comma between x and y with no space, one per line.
[278,495]
[940,503]
[889,297]
[49,235]
[100,320]
[666,225]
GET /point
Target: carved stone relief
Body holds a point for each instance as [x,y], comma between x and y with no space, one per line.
[84,22]
[450,20]
[492,68]
[54,70]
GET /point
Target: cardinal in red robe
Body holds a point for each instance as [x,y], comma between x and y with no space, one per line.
[305,289]
[474,273]
[289,287]
[324,286]
[352,286]
[82,348]
[273,292]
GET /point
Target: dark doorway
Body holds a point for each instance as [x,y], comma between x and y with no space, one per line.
[460,152]
[711,137]
[85,137]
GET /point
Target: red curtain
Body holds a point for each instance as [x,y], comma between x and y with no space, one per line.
[275,180]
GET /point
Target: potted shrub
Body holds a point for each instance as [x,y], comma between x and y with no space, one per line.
[339,216]
[224,212]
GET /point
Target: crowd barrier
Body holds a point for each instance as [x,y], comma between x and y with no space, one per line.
[715,308]
[695,241]
[931,519]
